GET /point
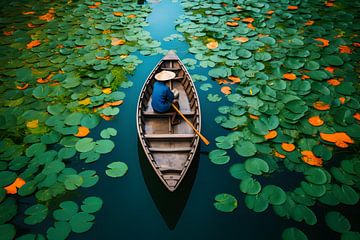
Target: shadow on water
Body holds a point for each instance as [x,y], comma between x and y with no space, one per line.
[169,204]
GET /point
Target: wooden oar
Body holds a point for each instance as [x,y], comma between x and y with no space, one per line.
[192,126]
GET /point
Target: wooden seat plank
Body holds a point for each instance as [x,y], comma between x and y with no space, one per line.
[172,136]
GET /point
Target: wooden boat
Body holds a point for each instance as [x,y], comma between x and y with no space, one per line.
[169,149]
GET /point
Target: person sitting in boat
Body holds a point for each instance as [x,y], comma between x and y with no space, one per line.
[163,96]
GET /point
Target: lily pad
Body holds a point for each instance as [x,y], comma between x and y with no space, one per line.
[36,214]
[337,222]
[91,204]
[219,156]
[256,166]
[60,231]
[315,175]
[274,194]
[108,132]
[85,145]
[293,234]
[245,148]
[250,186]
[8,231]
[225,202]
[67,211]
[116,169]
[257,203]
[81,222]
[104,146]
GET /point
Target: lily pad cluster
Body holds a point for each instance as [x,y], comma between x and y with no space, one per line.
[62,64]
[292,70]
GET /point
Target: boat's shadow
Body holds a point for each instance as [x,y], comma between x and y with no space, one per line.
[169,204]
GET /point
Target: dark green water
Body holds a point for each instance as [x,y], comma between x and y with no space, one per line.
[136,206]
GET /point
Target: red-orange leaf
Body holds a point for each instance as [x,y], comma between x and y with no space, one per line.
[226,90]
[272,134]
[28,13]
[289,76]
[315,121]
[131,16]
[23,86]
[323,41]
[309,23]
[319,105]
[12,188]
[330,69]
[117,41]
[118,14]
[248,20]
[279,155]
[341,139]
[329,4]
[234,79]
[342,100]
[33,43]
[232,24]
[344,49]
[212,45]
[253,117]
[293,7]
[333,82]
[357,116]
[105,117]
[241,39]
[356,44]
[251,26]
[309,158]
[270,12]
[289,147]
[82,132]
[236,18]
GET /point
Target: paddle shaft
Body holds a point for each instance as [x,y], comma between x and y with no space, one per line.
[190,124]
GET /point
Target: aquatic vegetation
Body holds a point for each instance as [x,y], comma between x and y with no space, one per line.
[294,103]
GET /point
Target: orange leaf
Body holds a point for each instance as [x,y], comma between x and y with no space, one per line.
[344,49]
[272,134]
[234,79]
[85,102]
[82,132]
[329,4]
[279,155]
[342,100]
[292,7]
[309,23]
[105,117]
[333,82]
[289,76]
[241,39]
[323,41]
[253,117]
[270,12]
[289,147]
[117,103]
[106,90]
[226,90]
[32,124]
[221,81]
[106,31]
[48,16]
[116,41]
[356,44]
[339,138]
[131,16]
[319,105]
[248,20]
[357,116]
[236,18]
[212,45]
[232,24]
[305,77]
[28,13]
[33,43]
[118,14]
[250,26]
[330,69]
[315,121]
[8,33]
[12,188]
[23,86]
[309,158]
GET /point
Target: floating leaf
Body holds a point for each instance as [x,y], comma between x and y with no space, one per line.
[85,145]
[219,156]
[257,203]
[60,231]
[81,222]
[36,214]
[337,222]
[293,234]
[256,166]
[238,171]
[91,204]
[116,169]
[104,146]
[250,186]
[67,211]
[108,132]
[274,194]
[245,148]
[225,202]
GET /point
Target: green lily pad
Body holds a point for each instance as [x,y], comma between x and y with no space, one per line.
[337,222]
[104,146]
[245,148]
[89,178]
[205,86]
[60,231]
[91,204]
[274,194]
[315,175]
[225,202]
[350,236]
[345,194]
[8,209]
[116,169]
[250,186]
[293,234]
[214,97]
[256,166]
[67,211]
[108,132]
[8,232]
[81,222]
[36,214]
[257,203]
[219,156]
[85,145]
[238,171]
[7,178]
[313,189]
[73,181]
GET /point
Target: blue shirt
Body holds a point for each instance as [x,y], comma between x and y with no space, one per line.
[162,97]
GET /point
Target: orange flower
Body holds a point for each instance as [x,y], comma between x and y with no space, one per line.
[330,69]
[319,105]
[82,132]
[248,20]
[323,41]
[357,116]
[293,7]
[241,39]
[289,147]
[341,139]
[333,82]
[316,121]
[33,43]
[279,155]
[272,134]
[226,90]
[309,23]
[212,45]
[344,49]
[289,76]
[12,188]
[232,24]
[309,158]
[234,79]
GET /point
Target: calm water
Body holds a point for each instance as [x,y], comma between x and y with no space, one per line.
[136,206]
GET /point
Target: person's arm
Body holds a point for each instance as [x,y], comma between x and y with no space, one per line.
[169,95]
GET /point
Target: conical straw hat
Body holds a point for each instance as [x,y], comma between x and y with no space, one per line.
[165,75]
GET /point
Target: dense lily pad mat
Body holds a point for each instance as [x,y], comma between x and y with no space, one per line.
[62,65]
[291,102]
